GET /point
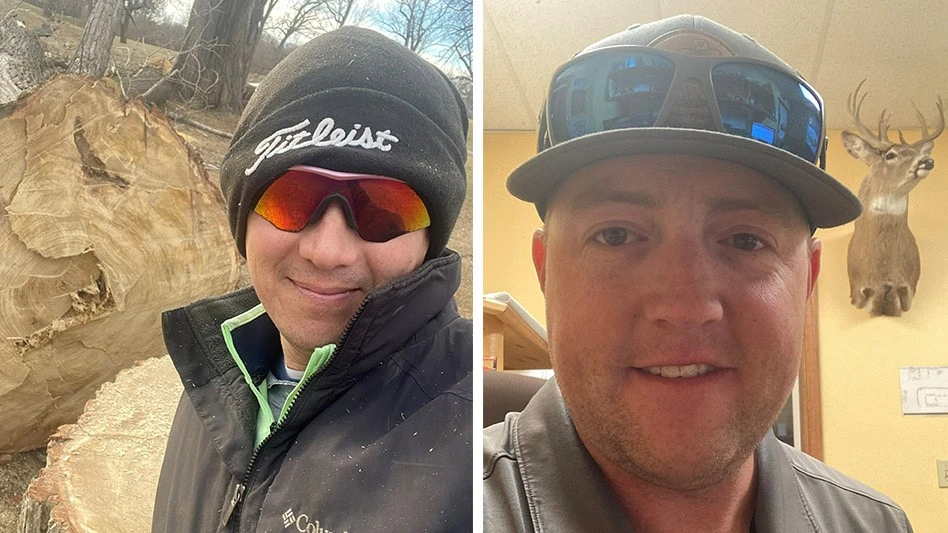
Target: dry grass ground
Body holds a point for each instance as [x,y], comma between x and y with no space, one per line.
[67,32]
[18,470]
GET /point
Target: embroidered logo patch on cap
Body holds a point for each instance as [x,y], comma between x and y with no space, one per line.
[691,43]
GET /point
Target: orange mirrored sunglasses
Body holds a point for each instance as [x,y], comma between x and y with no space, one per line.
[377,207]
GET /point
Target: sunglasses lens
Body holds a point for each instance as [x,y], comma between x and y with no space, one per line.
[382,208]
[385,209]
[289,202]
[607,92]
[769,106]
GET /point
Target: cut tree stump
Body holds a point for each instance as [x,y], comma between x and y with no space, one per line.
[107,217]
[102,472]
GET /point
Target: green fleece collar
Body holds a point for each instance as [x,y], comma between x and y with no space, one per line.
[265,421]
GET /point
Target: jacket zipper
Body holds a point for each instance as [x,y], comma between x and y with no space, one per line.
[237,499]
[238,494]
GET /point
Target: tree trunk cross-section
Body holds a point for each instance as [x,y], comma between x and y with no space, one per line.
[107,218]
[102,472]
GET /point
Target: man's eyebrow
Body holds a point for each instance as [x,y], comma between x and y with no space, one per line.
[726,205]
[595,196]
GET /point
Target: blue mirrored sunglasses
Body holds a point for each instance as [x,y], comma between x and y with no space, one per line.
[629,86]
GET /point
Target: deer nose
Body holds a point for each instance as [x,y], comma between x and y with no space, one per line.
[927,164]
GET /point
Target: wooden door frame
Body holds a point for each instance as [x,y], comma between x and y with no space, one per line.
[811,410]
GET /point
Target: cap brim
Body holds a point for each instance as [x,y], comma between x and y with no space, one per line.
[827,202]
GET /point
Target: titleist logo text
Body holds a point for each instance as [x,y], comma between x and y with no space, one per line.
[325,134]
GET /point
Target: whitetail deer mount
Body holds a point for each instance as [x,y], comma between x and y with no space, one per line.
[884,263]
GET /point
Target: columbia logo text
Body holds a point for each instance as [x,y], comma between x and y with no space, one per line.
[325,134]
[302,523]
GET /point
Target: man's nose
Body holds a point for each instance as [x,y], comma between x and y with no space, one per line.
[329,241]
[684,289]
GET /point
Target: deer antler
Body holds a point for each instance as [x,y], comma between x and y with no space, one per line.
[880,142]
[884,126]
[921,118]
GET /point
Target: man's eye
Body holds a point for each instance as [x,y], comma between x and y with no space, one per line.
[747,242]
[614,236]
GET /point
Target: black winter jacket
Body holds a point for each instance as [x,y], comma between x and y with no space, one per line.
[379,440]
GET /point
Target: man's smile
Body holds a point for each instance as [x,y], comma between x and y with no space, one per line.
[684,371]
[326,291]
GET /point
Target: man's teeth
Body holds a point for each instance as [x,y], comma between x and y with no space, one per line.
[687,371]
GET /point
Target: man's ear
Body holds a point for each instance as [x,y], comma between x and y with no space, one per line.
[816,249]
[539,257]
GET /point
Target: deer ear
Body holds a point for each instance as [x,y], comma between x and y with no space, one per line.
[926,148]
[858,147]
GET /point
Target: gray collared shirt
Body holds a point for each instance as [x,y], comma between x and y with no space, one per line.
[538,477]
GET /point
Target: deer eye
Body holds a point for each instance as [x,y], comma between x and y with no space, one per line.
[889,156]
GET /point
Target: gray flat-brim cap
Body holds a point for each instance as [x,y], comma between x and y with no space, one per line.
[826,202]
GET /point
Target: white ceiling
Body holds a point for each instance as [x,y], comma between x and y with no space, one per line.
[900,47]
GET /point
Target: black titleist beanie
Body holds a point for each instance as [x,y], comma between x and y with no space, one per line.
[352,100]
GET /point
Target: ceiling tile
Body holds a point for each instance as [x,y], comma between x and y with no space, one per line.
[901,58]
[888,43]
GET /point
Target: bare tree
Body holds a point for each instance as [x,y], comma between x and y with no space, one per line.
[342,12]
[95,47]
[311,17]
[302,20]
[267,10]
[460,34]
[147,8]
[418,24]
[213,65]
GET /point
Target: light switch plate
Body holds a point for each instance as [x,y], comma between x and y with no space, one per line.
[943,473]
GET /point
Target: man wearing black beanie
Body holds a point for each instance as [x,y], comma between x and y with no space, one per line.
[335,394]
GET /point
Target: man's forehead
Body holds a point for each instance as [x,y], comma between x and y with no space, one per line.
[651,181]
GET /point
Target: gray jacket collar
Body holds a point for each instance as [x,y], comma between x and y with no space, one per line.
[566,490]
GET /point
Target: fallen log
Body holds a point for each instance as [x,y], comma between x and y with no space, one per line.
[101,473]
[107,217]
[22,60]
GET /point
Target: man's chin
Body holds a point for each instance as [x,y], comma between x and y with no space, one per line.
[317,328]
[689,473]
[688,463]
[303,341]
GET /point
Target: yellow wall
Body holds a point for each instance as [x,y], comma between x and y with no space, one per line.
[865,434]
[509,223]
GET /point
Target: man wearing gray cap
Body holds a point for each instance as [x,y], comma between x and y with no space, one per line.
[679,178]
[335,393]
